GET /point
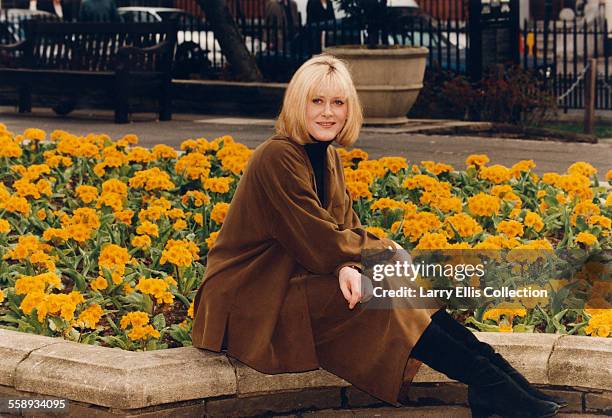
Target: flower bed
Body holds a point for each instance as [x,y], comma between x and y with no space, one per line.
[104,242]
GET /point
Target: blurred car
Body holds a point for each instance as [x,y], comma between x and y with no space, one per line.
[197,49]
[12,28]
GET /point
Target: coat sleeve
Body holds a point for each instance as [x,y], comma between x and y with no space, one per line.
[306,230]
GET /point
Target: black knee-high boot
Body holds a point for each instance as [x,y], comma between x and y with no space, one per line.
[491,391]
[461,333]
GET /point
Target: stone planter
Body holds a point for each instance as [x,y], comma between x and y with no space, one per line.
[388,80]
[186,382]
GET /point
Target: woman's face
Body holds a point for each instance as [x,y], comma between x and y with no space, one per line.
[326,114]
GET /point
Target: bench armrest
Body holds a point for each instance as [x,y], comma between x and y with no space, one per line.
[125,54]
[17,46]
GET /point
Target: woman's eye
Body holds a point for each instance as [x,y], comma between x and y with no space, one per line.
[317,101]
[339,102]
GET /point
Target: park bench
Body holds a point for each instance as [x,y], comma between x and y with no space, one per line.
[119,60]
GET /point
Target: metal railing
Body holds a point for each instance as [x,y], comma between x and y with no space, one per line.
[560,51]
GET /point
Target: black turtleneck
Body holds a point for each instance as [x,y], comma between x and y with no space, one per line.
[317,153]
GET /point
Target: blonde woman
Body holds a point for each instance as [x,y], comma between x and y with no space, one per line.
[283,286]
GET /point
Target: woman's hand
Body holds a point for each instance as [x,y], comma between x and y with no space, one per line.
[350,285]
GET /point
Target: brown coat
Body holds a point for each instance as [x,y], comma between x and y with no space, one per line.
[277,236]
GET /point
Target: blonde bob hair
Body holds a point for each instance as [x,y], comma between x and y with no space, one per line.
[321,71]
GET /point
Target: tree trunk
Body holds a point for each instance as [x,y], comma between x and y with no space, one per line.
[242,63]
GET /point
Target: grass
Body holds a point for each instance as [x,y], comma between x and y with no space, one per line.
[602,130]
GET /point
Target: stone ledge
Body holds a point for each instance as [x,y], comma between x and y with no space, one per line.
[121,380]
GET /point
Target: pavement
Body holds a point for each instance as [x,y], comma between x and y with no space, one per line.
[406,140]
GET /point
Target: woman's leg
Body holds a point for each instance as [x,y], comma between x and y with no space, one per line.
[491,390]
[461,333]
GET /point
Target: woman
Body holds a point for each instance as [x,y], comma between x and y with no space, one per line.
[282,285]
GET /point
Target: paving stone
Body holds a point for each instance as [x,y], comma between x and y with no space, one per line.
[416,412]
[122,379]
[599,402]
[252,382]
[440,393]
[358,399]
[16,346]
[581,361]
[280,402]
[573,398]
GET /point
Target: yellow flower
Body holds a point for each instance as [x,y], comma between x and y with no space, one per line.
[139,155]
[193,165]
[99,283]
[163,151]
[179,225]
[394,164]
[181,253]
[2,296]
[586,210]
[148,228]
[9,148]
[510,228]
[361,175]
[152,179]
[582,168]
[496,174]
[358,190]
[5,227]
[157,288]
[124,216]
[478,160]
[432,241]
[484,204]
[465,225]
[199,198]
[130,139]
[87,193]
[379,232]
[436,168]
[34,134]
[41,214]
[373,166]
[586,238]
[534,221]
[135,319]
[198,218]
[600,323]
[507,309]
[219,212]
[115,186]
[190,311]
[521,166]
[90,317]
[210,241]
[141,241]
[605,222]
[16,204]
[218,184]
[417,224]
[386,203]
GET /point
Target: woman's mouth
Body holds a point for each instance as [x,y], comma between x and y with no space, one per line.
[326,124]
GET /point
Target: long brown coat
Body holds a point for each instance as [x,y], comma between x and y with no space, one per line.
[271,289]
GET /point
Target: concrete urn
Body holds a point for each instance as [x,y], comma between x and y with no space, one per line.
[388,80]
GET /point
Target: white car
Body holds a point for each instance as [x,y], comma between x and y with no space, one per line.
[196,43]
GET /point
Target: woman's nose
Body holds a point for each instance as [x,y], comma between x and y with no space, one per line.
[327,109]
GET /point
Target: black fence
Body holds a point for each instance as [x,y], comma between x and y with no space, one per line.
[560,52]
[278,50]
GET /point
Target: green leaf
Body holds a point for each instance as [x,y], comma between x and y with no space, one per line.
[159,321]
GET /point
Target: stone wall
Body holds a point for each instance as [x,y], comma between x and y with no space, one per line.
[187,382]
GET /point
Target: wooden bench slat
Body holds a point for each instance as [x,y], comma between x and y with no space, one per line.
[72,54]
